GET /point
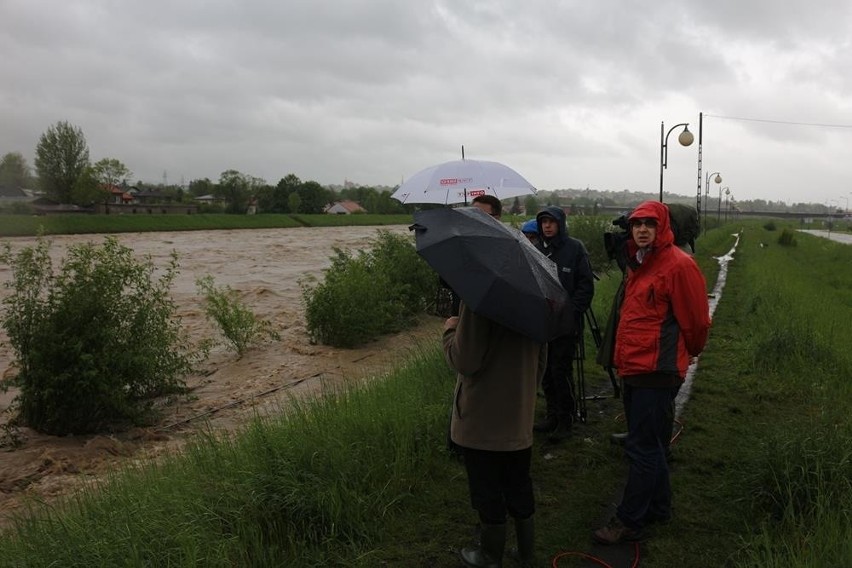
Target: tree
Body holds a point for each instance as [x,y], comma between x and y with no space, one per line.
[88,189]
[286,187]
[61,156]
[313,196]
[110,171]
[294,202]
[199,187]
[516,206]
[531,205]
[237,188]
[14,170]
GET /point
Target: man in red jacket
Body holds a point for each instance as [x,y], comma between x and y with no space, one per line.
[664,321]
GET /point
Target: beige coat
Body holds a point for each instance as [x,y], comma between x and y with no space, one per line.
[498,375]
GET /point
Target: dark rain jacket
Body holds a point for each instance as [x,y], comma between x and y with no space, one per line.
[572,263]
[664,317]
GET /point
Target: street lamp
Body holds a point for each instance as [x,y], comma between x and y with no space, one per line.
[717,179]
[719,209]
[727,193]
[685,138]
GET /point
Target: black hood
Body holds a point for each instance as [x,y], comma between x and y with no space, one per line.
[558,214]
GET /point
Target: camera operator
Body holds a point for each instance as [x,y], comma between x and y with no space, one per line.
[575,274]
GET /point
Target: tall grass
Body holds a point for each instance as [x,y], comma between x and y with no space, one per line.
[792,308]
[315,486]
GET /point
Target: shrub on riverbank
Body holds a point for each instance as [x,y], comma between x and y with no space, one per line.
[93,342]
[368,294]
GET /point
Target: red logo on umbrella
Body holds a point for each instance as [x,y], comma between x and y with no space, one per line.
[454,181]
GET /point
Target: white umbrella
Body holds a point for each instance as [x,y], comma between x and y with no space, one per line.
[462,180]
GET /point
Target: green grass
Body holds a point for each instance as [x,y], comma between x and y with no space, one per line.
[22,225]
[761,474]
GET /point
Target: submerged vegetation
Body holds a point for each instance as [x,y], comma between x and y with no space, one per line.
[240,326]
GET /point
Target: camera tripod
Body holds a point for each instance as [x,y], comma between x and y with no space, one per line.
[579,361]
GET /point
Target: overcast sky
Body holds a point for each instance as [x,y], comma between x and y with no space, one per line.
[571,94]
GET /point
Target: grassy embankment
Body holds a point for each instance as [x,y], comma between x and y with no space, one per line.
[29,225]
[761,473]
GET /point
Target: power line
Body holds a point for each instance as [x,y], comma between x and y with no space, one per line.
[822,125]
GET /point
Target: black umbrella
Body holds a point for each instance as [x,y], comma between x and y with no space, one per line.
[495,271]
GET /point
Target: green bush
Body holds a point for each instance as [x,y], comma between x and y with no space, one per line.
[787,238]
[240,326]
[369,294]
[95,341]
[415,283]
[770,226]
[590,230]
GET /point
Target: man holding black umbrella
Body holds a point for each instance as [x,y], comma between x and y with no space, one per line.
[498,374]
[512,304]
[575,274]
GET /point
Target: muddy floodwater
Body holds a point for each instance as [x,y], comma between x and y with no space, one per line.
[266,267]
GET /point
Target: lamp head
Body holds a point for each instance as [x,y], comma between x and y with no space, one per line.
[717,179]
[685,138]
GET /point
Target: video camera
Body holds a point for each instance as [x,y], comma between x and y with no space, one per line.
[614,241]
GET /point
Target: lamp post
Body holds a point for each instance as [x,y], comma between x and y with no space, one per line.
[717,179]
[846,207]
[727,193]
[719,209]
[685,138]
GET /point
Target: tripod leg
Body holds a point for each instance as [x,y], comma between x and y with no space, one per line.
[581,379]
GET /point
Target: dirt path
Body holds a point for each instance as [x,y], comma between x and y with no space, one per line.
[265,267]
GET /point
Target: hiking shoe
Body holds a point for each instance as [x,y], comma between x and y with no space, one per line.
[616,532]
[548,425]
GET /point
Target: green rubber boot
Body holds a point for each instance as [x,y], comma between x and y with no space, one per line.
[525,531]
[489,553]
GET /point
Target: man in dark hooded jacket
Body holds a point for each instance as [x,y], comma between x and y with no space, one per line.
[575,274]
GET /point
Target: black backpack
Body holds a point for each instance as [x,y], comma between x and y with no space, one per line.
[685,224]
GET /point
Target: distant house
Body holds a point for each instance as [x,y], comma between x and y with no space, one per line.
[10,193]
[149,197]
[346,207]
[117,194]
[209,198]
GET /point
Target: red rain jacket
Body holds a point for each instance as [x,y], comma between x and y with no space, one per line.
[665,317]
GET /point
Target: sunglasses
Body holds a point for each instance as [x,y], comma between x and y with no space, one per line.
[650,223]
